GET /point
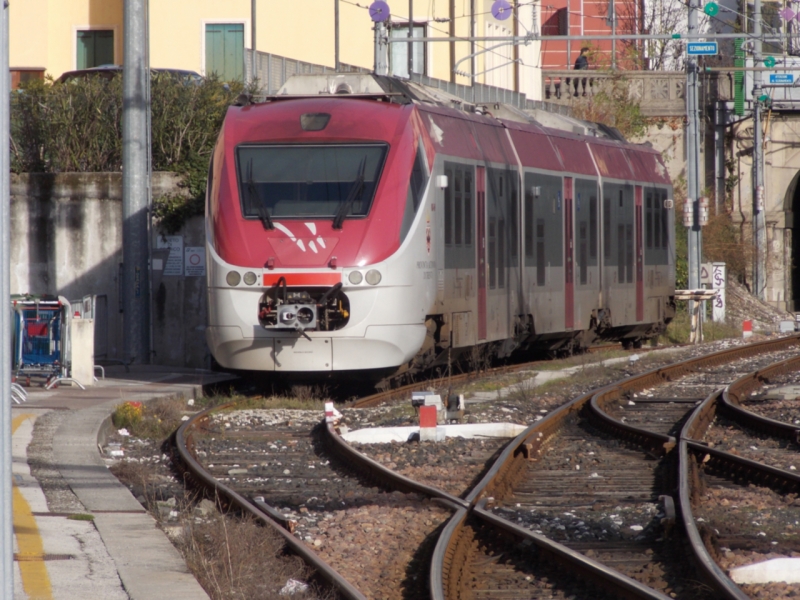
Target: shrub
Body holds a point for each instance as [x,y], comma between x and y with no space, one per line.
[77,127]
[127,415]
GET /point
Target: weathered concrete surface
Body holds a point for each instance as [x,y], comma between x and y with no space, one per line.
[66,239]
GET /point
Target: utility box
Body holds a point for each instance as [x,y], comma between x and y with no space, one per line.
[82,351]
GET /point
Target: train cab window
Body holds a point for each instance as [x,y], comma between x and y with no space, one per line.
[648,217]
[664,219]
[416,190]
[308,181]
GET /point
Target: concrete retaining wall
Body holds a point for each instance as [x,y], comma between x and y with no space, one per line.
[66,240]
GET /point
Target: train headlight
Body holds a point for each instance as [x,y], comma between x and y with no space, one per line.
[233,278]
[355,277]
[249,278]
[373,277]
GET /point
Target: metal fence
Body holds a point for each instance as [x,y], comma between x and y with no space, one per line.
[272,70]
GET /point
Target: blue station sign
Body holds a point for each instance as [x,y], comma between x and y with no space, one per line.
[702,48]
[781,78]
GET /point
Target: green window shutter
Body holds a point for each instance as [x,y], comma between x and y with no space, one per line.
[225,51]
[104,48]
[738,77]
[95,48]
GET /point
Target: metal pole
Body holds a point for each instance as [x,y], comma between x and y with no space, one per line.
[759,224]
[613,9]
[381,50]
[7,541]
[253,51]
[695,242]
[135,185]
[335,34]
[410,38]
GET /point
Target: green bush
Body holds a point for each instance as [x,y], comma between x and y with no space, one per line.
[77,127]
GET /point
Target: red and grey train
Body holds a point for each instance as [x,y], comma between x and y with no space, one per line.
[358,223]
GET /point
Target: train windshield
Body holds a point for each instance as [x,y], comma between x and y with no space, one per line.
[305,181]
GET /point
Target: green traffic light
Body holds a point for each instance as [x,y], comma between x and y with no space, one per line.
[769,61]
[711,9]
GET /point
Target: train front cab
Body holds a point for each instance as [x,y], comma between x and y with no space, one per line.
[385,324]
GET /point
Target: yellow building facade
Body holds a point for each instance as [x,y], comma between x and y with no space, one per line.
[208,35]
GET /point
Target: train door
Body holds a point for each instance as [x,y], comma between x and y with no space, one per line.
[480,192]
[569,265]
[639,257]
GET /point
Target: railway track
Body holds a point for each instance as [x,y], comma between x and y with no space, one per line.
[598,478]
[584,500]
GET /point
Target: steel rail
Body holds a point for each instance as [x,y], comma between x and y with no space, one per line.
[510,464]
[380,473]
[739,389]
[195,472]
[690,446]
[529,442]
[376,399]
[708,566]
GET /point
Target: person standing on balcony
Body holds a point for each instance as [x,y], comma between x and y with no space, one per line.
[581,64]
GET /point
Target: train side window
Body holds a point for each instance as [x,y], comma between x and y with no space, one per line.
[593,226]
[514,220]
[458,221]
[629,253]
[583,253]
[649,221]
[528,223]
[656,223]
[620,198]
[607,227]
[448,208]
[468,207]
[540,273]
[501,253]
[664,220]
[492,243]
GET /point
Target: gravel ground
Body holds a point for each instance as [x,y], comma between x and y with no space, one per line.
[513,398]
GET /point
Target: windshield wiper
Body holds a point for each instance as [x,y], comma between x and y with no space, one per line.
[355,194]
[263,213]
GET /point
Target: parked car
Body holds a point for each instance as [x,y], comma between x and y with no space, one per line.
[110,71]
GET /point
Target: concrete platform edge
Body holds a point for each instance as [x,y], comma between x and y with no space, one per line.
[149,566]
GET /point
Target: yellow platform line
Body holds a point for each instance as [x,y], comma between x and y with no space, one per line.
[35,579]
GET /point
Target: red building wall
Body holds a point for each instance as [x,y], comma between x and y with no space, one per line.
[587,17]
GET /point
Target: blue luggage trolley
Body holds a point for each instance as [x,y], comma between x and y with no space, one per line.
[41,339]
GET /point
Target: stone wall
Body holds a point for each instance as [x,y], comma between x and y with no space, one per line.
[66,240]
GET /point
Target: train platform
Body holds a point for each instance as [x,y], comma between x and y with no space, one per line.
[78,532]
